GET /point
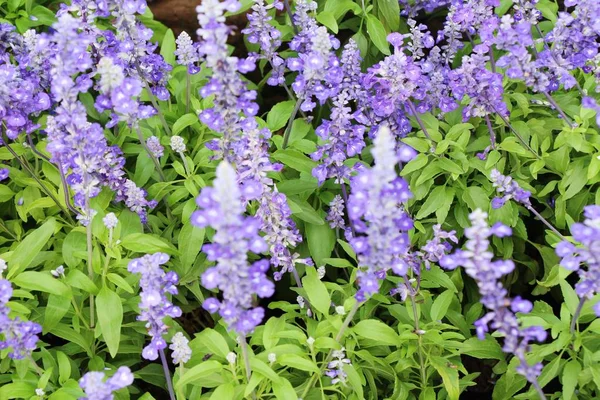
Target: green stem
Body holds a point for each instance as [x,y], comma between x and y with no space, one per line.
[288,129]
[90,257]
[338,337]
[244,346]
[576,315]
[419,339]
[152,157]
[508,124]
[545,221]
[5,228]
[419,121]
[188,92]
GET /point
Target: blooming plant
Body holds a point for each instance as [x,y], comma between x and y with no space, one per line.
[341,199]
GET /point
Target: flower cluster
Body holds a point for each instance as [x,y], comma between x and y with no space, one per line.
[19,336]
[187,53]
[96,388]
[376,212]
[235,236]
[335,368]
[587,252]
[509,189]
[181,349]
[477,262]
[155,305]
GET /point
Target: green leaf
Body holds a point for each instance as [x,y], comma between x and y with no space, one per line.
[5,193]
[56,308]
[120,282]
[482,349]
[78,279]
[110,318]
[304,211]
[339,8]
[328,19]
[570,375]
[570,297]
[321,241]
[167,47]
[283,389]
[30,247]
[295,160]
[378,34]
[377,331]
[449,376]
[435,198]
[198,373]
[17,390]
[146,243]
[280,115]
[272,327]
[475,197]
[298,362]
[43,282]
[190,242]
[224,391]
[213,341]
[64,367]
[183,122]
[74,244]
[355,380]
[317,293]
[440,305]
[389,12]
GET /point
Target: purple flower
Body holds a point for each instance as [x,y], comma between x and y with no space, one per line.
[222,209]
[476,259]
[96,388]
[154,304]
[19,336]
[585,252]
[376,211]
[155,147]
[508,189]
[187,53]
[335,368]
[335,216]
[4,174]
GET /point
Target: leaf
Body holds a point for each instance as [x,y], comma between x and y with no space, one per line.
[482,349]
[570,297]
[224,391]
[317,293]
[328,19]
[120,282]
[74,242]
[110,318]
[295,160]
[43,282]
[354,380]
[378,34]
[272,327]
[570,375]
[214,342]
[435,198]
[5,193]
[449,376]
[183,122]
[298,362]
[389,12]
[199,372]
[475,197]
[321,241]
[146,243]
[29,248]
[280,115]
[64,367]
[78,279]
[377,331]
[190,242]
[56,308]
[167,48]
[304,211]
[440,305]
[17,390]
[284,390]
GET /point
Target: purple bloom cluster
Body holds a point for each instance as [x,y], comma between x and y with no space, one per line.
[4,172]
[260,31]
[476,259]
[156,285]
[376,212]
[75,144]
[187,53]
[335,216]
[235,235]
[483,87]
[509,189]
[319,70]
[19,336]
[96,388]
[587,236]
[335,368]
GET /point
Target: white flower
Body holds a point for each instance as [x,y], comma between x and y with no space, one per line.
[177,144]
[110,221]
[340,310]
[58,272]
[272,357]
[231,357]
[321,272]
[310,341]
[300,301]
[3,266]
[39,392]
[181,349]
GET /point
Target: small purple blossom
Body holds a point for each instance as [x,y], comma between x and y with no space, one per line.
[335,216]
[335,368]
[477,261]
[222,209]
[187,53]
[3,174]
[154,306]
[96,388]
[508,189]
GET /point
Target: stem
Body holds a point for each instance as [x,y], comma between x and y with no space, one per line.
[163,361]
[545,221]
[538,389]
[557,107]
[345,197]
[576,315]
[5,228]
[90,256]
[185,164]
[416,114]
[517,134]
[288,129]
[79,314]
[188,92]
[152,156]
[34,176]
[155,103]
[491,130]
[419,340]
[65,186]
[339,335]
[288,9]
[244,346]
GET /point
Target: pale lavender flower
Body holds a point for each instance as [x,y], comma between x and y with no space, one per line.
[3,174]
[335,368]
[155,147]
[508,189]
[186,53]
[154,304]
[96,388]
[181,349]
[335,215]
